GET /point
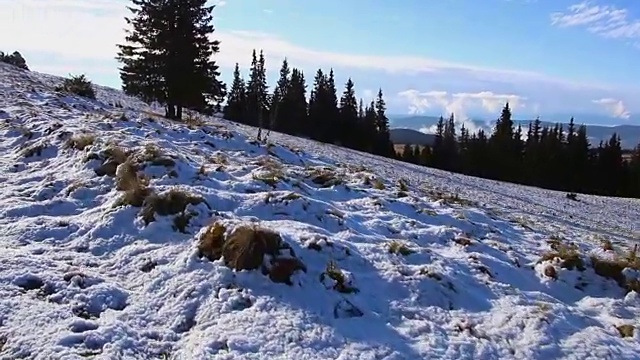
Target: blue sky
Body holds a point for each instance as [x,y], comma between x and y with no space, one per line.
[432,57]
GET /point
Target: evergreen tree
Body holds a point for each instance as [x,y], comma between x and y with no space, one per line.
[168,55]
[256,91]
[236,106]
[383,145]
[296,100]
[282,117]
[349,134]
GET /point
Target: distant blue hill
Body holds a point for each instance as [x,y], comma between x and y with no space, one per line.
[629,134]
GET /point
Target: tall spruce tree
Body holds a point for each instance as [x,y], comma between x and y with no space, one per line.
[349,116]
[257,91]
[167,55]
[384,145]
[236,106]
[282,117]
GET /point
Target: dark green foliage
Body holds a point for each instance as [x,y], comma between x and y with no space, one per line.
[550,157]
[171,64]
[78,85]
[14,59]
[236,107]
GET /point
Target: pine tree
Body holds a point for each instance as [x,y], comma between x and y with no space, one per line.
[317,107]
[256,91]
[439,155]
[296,104]
[349,116]
[281,113]
[236,102]
[384,145]
[168,55]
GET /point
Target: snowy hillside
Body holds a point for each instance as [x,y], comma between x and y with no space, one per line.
[124,236]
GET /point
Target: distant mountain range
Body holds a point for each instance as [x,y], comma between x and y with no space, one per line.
[629,134]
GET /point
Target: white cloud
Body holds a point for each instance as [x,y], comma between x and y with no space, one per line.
[80,35]
[459,104]
[615,107]
[605,20]
[64,29]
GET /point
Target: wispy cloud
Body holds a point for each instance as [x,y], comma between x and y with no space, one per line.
[604,20]
[459,103]
[80,35]
[616,108]
[63,29]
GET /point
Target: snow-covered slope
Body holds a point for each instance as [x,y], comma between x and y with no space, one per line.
[425,264]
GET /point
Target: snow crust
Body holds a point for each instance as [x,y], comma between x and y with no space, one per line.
[81,277]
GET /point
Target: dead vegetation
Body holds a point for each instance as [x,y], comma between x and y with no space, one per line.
[33,150]
[398,247]
[625,330]
[614,268]
[247,246]
[568,256]
[80,141]
[334,278]
[325,178]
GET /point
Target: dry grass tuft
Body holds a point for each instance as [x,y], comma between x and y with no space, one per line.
[403,185]
[246,247]
[398,247]
[463,241]
[270,177]
[194,120]
[115,156]
[135,186]
[153,154]
[34,150]
[212,241]
[614,269]
[325,178]
[80,142]
[341,283]
[607,245]
[569,256]
[172,202]
[626,330]
[550,271]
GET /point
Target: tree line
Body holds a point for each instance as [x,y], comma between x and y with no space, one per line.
[324,117]
[168,58]
[545,156]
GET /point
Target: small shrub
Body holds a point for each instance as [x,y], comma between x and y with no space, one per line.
[572,196]
[78,85]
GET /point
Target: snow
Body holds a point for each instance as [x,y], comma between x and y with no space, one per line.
[81,277]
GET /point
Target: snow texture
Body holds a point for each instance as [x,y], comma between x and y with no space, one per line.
[82,276]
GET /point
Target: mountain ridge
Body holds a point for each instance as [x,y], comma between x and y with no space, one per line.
[629,134]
